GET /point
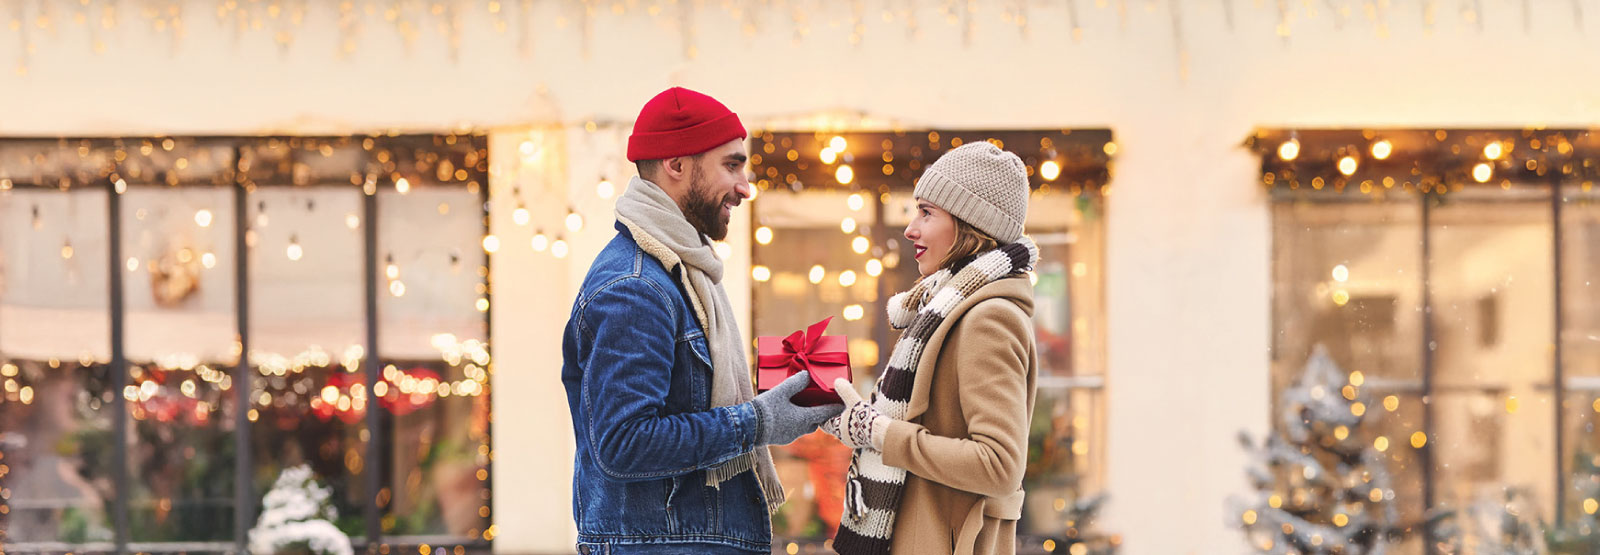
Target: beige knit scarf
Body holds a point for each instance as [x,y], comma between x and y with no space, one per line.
[658,226]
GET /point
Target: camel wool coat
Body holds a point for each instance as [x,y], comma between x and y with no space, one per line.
[964,442]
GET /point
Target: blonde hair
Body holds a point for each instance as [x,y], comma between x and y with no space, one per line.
[969,241]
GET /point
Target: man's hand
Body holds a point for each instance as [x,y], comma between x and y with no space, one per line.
[780,421]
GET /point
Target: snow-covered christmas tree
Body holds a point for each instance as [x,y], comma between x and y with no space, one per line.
[1321,487]
[297,517]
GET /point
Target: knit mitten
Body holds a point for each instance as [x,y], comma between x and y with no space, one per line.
[860,426]
[779,421]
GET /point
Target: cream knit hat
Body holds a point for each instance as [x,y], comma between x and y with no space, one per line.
[982,185]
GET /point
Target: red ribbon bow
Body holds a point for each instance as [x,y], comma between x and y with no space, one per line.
[799,352]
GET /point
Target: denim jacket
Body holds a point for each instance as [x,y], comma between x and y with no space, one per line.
[637,371]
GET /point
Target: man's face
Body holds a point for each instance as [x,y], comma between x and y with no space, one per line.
[717,185]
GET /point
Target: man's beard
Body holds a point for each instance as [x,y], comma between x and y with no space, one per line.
[703,211]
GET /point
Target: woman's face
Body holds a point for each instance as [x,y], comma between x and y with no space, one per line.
[932,232]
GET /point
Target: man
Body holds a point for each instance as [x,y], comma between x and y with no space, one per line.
[671,439]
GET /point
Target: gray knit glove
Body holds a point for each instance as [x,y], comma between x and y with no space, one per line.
[779,421]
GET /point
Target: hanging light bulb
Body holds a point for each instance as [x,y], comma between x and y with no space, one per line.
[352,221]
[816,274]
[1289,150]
[764,235]
[847,278]
[1382,149]
[491,244]
[208,260]
[860,244]
[520,215]
[605,189]
[559,248]
[66,250]
[540,242]
[760,273]
[574,221]
[397,288]
[202,218]
[294,251]
[829,156]
[847,225]
[874,267]
[837,143]
[402,186]
[1050,170]
[391,269]
[855,202]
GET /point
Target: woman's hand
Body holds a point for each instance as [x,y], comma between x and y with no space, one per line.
[860,426]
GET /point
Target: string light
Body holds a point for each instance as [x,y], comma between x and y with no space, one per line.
[764,235]
[491,244]
[1050,170]
[829,156]
[540,241]
[558,249]
[397,288]
[1494,150]
[816,274]
[855,202]
[1341,273]
[202,218]
[294,251]
[847,278]
[352,221]
[574,221]
[1482,172]
[1289,150]
[874,267]
[605,189]
[854,312]
[402,186]
[1382,149]
[844,175]
[1347,165]
[208,260]
[847,225]
[760,273]
[860,244]
[837,143]
[520,215]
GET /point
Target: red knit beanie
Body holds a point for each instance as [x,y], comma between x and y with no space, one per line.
[681,122]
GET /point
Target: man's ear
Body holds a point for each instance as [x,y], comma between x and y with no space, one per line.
[677,167]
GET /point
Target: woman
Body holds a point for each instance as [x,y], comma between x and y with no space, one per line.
[942,444]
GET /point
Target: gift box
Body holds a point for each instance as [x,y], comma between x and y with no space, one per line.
[826,356]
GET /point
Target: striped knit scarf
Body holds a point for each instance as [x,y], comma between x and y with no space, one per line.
[872,488]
